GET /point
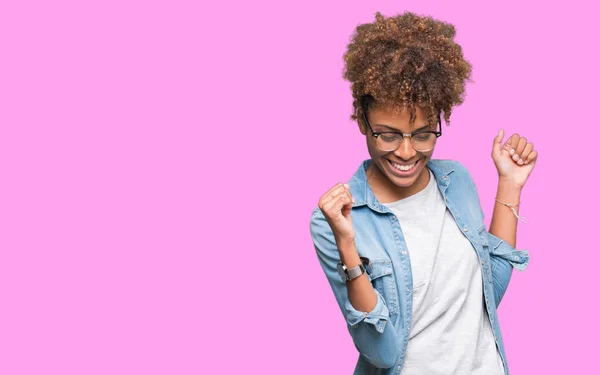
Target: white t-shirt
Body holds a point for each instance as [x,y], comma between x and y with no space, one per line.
[450,331]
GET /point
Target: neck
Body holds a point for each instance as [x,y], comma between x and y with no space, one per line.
[386,191]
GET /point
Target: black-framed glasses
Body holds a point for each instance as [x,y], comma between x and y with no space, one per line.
[422,140]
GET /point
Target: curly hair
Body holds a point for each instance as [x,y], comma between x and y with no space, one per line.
[404,61]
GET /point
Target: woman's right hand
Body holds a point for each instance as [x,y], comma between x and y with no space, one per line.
[336,205]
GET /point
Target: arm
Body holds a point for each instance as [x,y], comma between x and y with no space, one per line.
[504,222]
[361,293]
[502,240]
[363,307]
[514,162]
[503,256]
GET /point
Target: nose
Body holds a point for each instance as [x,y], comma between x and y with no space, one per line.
[406,150]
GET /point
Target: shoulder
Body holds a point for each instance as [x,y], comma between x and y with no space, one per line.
[455,170]
[316,217]
[322,237]
[319,227]
[450,166]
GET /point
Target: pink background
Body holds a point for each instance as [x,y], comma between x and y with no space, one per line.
[159,163]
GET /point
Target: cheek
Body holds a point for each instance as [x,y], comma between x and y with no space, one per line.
[373,150]
[429,154]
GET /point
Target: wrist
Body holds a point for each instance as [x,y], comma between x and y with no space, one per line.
[348,252]
[344,242]
[509,192]
[506,183]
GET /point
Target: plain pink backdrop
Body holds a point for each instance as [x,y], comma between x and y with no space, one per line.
[160,160]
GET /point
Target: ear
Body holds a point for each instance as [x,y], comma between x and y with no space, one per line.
[361,125]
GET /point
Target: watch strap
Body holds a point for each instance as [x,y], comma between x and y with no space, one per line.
[355,272]
[351,274]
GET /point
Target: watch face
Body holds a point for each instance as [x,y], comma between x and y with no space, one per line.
[355,272]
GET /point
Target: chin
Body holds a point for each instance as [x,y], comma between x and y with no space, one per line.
[400,180]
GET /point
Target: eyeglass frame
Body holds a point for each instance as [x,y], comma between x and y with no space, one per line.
[377,134]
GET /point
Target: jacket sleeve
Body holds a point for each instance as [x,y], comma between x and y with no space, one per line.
[372,332]
[503,259]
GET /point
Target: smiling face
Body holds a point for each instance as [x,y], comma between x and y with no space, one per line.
[398,174]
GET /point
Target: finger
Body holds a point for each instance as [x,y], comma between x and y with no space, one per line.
[338,194]
[347,208]
[514,141]
[340,190]
[532,157]
[521,145]
[332,193]
[335,205]
[334,188]
[508,144]
[497,146]
[348,196]
[519,149]
[526,151]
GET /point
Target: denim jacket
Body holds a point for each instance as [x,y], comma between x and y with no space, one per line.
[381,335]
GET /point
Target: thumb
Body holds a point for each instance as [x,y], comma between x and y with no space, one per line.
[497,146]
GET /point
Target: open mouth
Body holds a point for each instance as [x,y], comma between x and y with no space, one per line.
[403,169]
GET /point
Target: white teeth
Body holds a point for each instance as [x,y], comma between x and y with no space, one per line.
[403,167]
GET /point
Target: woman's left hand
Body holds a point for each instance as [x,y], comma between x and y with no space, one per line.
[515,160]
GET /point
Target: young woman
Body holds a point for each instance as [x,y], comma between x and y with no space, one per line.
[403,244]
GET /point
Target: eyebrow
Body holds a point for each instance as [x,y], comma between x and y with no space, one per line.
[424,127]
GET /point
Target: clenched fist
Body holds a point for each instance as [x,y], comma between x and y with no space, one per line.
[515,160]
[336,205]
